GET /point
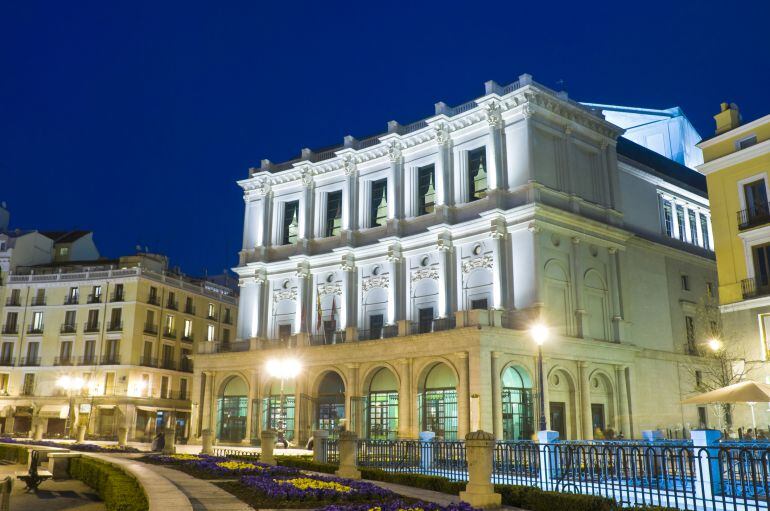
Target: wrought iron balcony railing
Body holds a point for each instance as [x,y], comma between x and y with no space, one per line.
[29,361]
[754,216]
[150,329]
[91,327]
[11,329]
[68,328]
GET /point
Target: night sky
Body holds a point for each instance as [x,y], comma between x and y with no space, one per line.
[135,119]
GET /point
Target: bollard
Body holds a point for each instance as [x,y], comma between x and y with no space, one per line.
[169,434]
[319,445]
[479,451]
[208,446]
[705,444]
[549,457]
[426,448]
[122,436]
[348,445]
[268,444]
[82,433]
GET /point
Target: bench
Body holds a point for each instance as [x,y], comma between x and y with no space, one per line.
[34,477]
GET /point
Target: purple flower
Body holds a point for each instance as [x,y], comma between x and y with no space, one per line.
[306,487]
[399,505]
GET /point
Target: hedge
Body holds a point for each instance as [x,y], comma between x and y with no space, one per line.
[16,453]
[118,490]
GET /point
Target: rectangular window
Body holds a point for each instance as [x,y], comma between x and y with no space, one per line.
[761,255]
[89,351]
[477,174]
[693,226]
[7,353]
[28,387]
[378,206]
[702,418]
[188,306]
[755,195]
[112,351]
[188,327]
[116,319]
[109,384]
[290,223]
[73,296]
[668,219]
[33,350]
[426,191]
[376,322]
[164,386]
[211,312]
[479,304]
[118,294]
[147,353]
[680,220]
[65,351]
[210,332]
[169,323]
[92,323]
[425,324]
[183,388]
[153,298]
[284,332]
[333,213]
[225,335]
[146,391]
[171,302]
[15,297]
[689,326]
[685,279]
[11,322]
[97,293]
[4,382]
[168,356]
[37,322]
[704,231]
[747,142]
[39,298]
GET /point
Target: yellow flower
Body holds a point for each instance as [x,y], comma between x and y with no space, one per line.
[305,483]
[238,465]
[185,457]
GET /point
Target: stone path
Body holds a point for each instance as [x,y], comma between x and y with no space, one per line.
[51,495]
[203,495]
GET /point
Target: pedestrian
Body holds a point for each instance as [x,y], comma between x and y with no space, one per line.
[159,442]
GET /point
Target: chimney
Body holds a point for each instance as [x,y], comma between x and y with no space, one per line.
[728,118]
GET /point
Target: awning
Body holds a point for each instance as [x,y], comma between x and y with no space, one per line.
[53,411]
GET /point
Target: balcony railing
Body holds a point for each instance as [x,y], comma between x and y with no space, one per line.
[153,300]
[186,365]
[91,327]
[13,301]
[94,299]
[150,329]
[752,288]
[189,309]
[7,361]
[227,347]
[35,330]
[11,329]
[754,216]
[228,320]
[117,297]
[386,332]
[172,305]
[28,390]
[148,361]
[68,328]
[87,360]
[170,333]
[168,363]
[188,337]
[211,317]
[72,300]
[29,361]
[114,326]
[37,302]
[111,359]
[337,337]
[64,361]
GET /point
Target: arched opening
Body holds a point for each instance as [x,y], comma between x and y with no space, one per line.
[382,409]
[602,406]
[437,401]
[477,290]
[330,404]
[596,304]
[374,314]
[557,297]
[562,404]
[278,408]
[517,405]
[231,410]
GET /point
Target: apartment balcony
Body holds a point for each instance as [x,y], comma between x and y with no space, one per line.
[186,365]
[91,327]
[188,338]
[87,360]
[37,302]
[27,391]
[13,301]
[64,361]
[189,309]
[150,329]
[110,360]
[321,339]
[7,361]
[94,299]
[169,333]
[228,347]
[211,317]
[117,297]
[753,288]
[67,328]
[753,217]
[29,361]
[386,332]
[72,300]
[148,361]
[35,330]
[11,329]
[168,363]
[153,300]
[172,305]
[175,394]
[228,320]
[114,326]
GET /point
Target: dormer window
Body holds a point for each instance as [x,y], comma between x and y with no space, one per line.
[426,192]
[333,214]
[378,207]
[746,142]
[290,223]
[477,174]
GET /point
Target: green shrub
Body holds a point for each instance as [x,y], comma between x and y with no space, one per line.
[118,490]
[16,453]
[535,499]
[306,463]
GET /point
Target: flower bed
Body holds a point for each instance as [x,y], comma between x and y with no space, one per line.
[316,488]
[216,467]
[72,446]
[399,505]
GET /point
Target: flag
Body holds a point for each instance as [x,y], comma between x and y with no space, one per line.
[334,310]
[319,312]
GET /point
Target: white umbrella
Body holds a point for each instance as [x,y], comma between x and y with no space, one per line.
[749,392]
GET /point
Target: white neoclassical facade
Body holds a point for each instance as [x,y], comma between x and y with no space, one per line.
[405,269]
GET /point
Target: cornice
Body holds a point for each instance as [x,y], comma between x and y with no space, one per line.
[735,132]
[735,158]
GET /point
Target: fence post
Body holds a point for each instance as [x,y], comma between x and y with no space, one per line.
[479,452]
[426,448]
[707,481]
[549,457]
[348,444]
[169,437]
[267,444]
[208,445]
[82,433]
[122,436]
[320,438]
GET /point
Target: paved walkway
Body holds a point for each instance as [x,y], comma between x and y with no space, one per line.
[51,495]
[202,494]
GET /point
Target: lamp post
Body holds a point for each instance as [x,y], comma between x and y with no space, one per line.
[283,369]
[539,333]
[70,385]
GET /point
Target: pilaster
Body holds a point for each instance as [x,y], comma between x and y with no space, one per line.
[585,401]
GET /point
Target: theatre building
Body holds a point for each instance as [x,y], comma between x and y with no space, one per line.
[404,272]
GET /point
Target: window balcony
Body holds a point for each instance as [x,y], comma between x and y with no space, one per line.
[150,329]
[94,299]
[35,330]
[189,309]
[7,361]
[752,288]
[229,347]
[111,359]
[228,320]
[114,326]
[11,329]
[211,317]
[117,297]
[188,337]
[37,302]
[13,301]
[67,328]
[91,327]
[172,305]
[753,217]
[321,339]
[29,361]
[148,361]
[64,361]
[168,363]
[169,333]
[386,332]
[153,300]
[87,360]
[186,365]
[28,391]
[72,300]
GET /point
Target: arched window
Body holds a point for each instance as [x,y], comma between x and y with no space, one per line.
[437,402]
[517,406]
[231,410]
[330,406]
[382,406]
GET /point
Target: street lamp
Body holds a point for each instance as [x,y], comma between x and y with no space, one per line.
[70,385]
[283,369]
[715,344]
[539,333]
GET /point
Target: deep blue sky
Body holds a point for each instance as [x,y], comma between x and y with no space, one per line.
[135,119]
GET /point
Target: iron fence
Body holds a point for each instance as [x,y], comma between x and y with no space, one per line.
[236,454]
[438,458]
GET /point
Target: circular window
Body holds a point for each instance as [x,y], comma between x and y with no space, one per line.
[330,277]
[477,250]
[285,284]
[376,270]
[555,380]
[424,261]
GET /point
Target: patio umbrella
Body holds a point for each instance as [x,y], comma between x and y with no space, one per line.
[749,392]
